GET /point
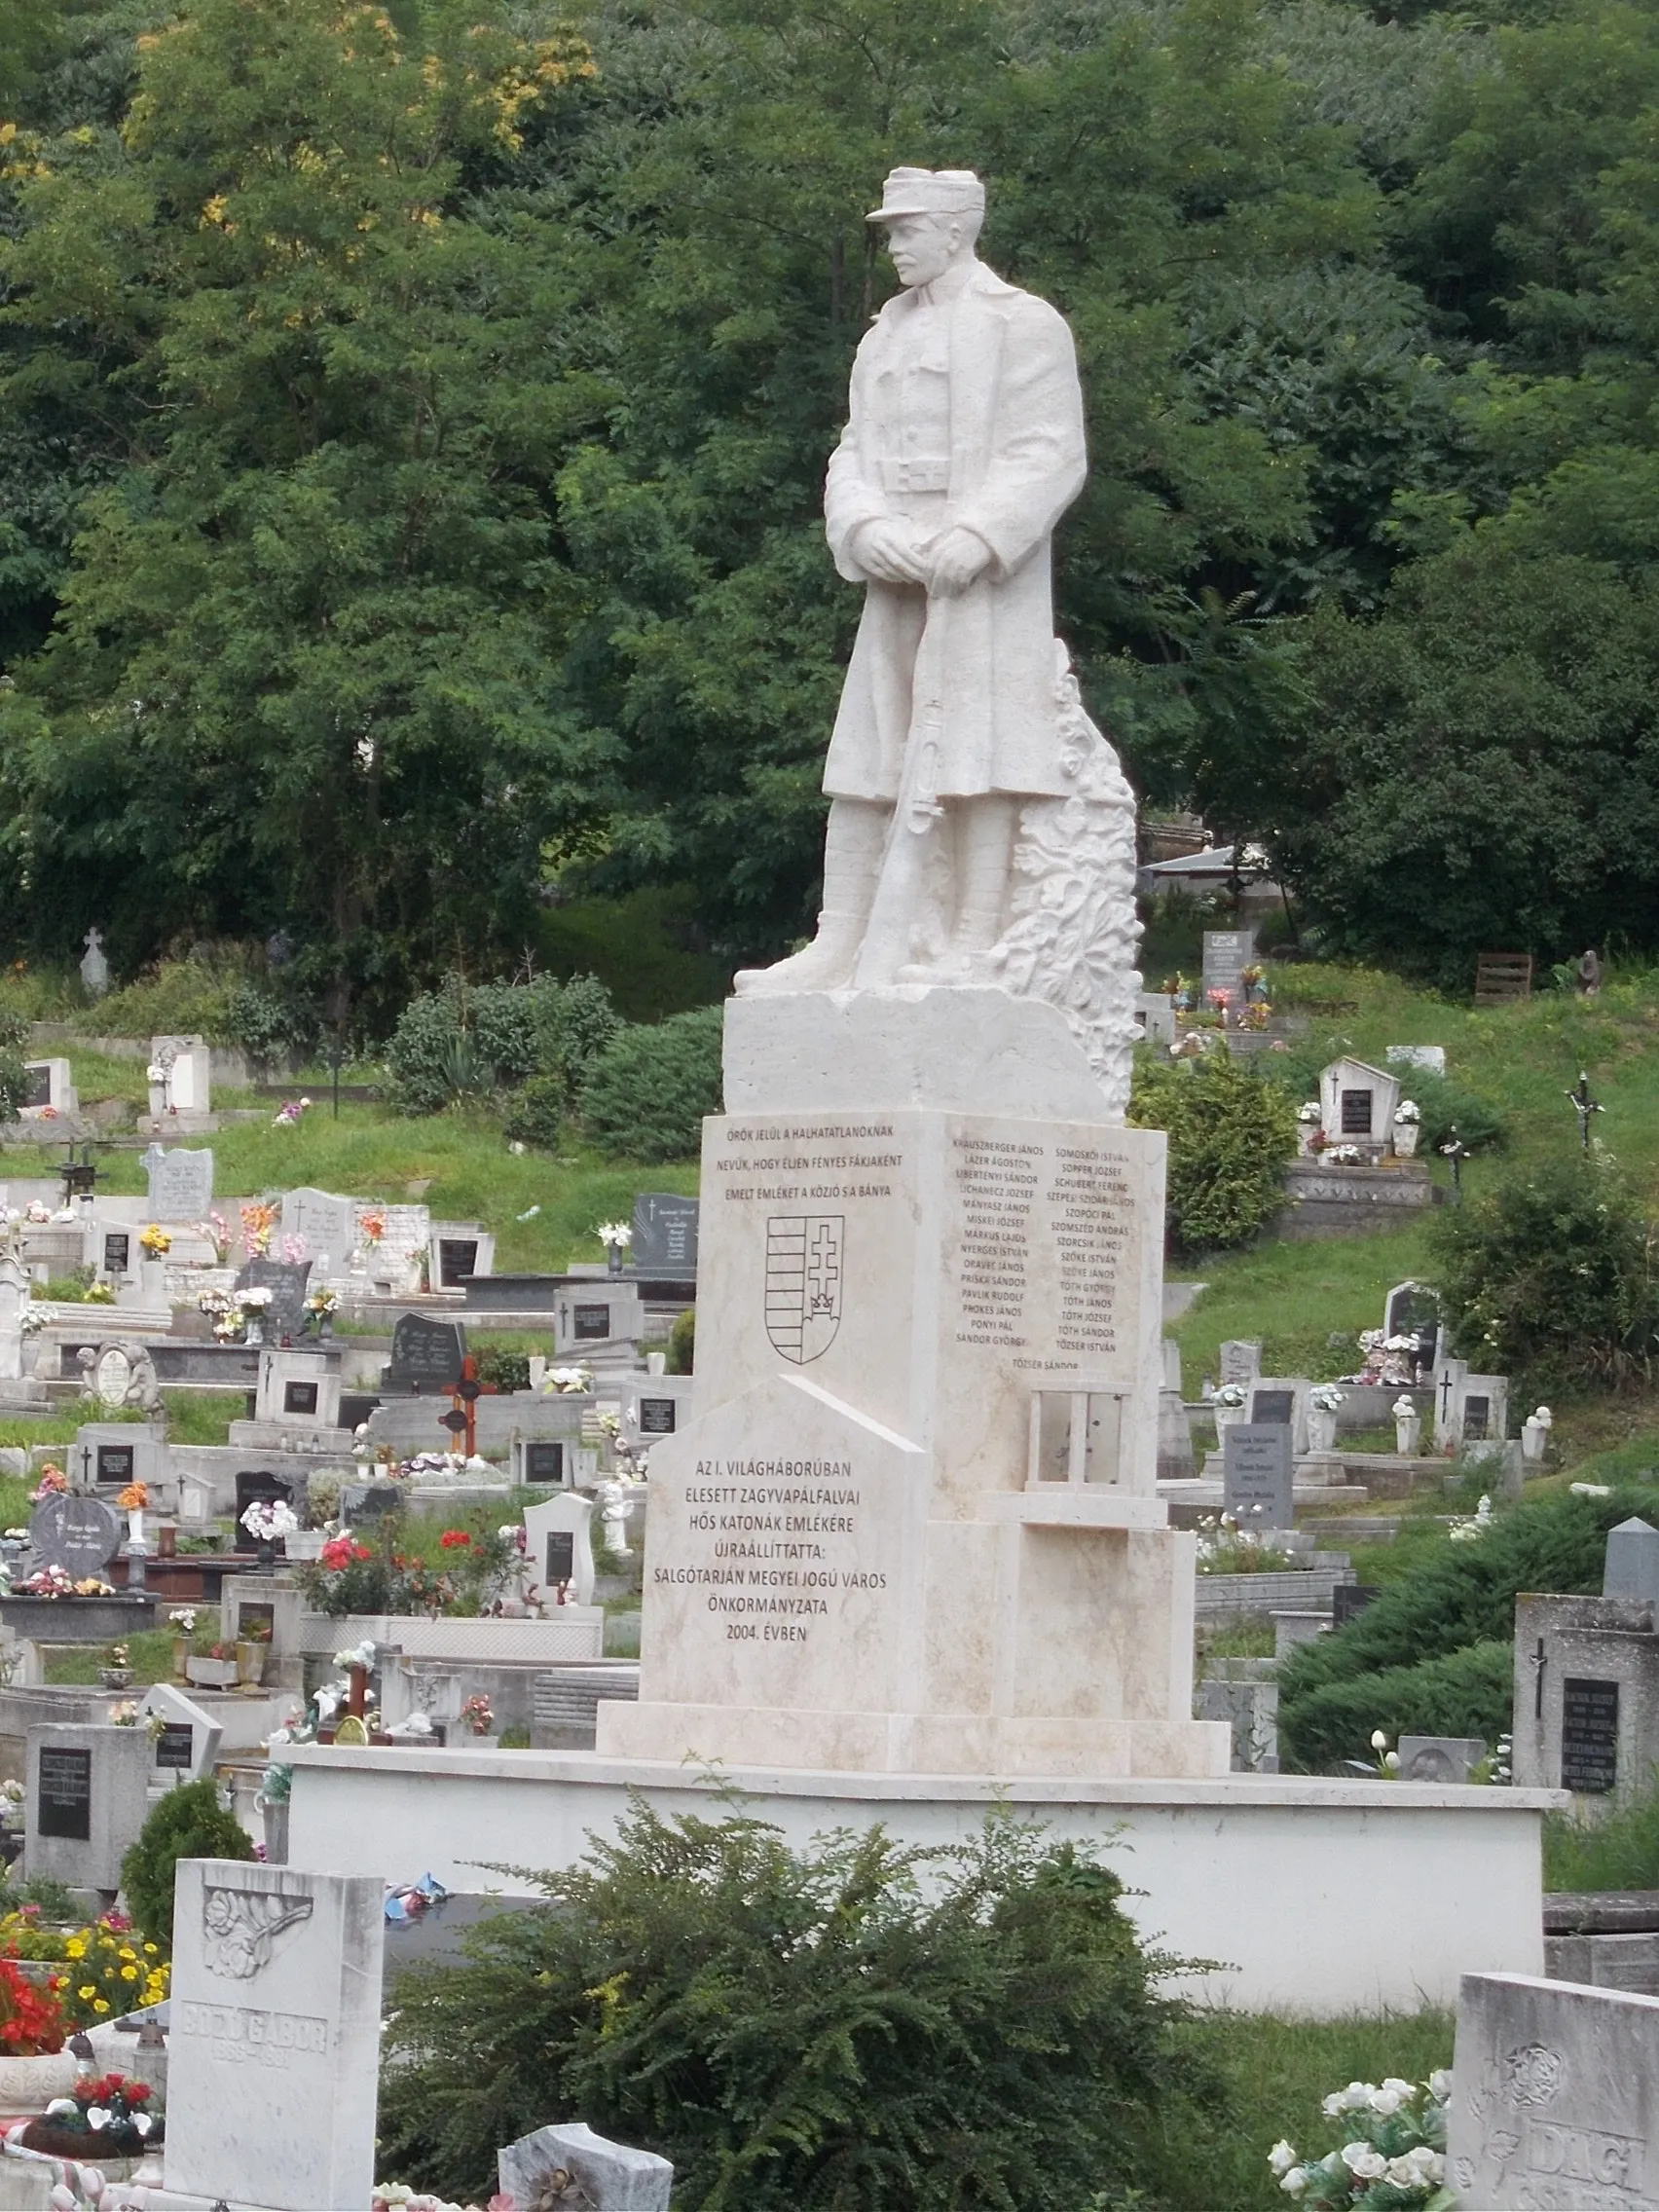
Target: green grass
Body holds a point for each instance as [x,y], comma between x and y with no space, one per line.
[1618,1853]
[149,1655]
[1295,1298]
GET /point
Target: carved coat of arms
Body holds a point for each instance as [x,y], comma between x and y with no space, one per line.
[803,1284]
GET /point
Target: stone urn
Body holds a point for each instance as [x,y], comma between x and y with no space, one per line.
[1227,1416]
[1408,1433]
[1406,1134]
[1321,1429]
[250,1662]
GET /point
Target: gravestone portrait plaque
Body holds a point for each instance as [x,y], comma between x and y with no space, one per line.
[1257,1475]
[656,1417]
[181,1183]
[426,1354]
[1272,1408]
[175,1746]
[1589,1735]
[64,1804]
[116,1252]
[80,1534]
[115,1463]
[112,1377]
[590,1324]
[285,1315]
[665,1235]
[258,1488]
[544,1463]
[560,1556]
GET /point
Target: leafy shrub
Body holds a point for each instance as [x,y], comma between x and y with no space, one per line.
[189,1822]
[647,1092]
[505,1370]
[13,1084]
[1460,1597]
[1230,1133]
[179,996]
[683,1343]
[1549,1277]
[536,1112]
[1443,1105]
[502,1021]
[418,1056]
[1464,1693]
[854,2024]
[268,1027]
[466,1040]
[574,1023]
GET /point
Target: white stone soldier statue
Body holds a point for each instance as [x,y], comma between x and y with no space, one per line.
[964,445]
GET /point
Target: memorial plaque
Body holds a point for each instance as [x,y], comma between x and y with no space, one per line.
[656,1417]
[665,1234]
[80,1534]
[1227,955]
[590,1324]
[457,1261]
[37,1084]
[175,1747]
[116,1462]
[65,1805]
[285,1315]
[560,1556]
[1356,1112]
[1257,1476]
[1241,1360]
[1272,1408]
[117,1253]
[544,1463]
[425,1354]
[258,1488]
[1477,1420]
[299,1397]
[1589,1735]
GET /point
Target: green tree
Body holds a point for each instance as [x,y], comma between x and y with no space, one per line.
[189,1822]
[1230,1133]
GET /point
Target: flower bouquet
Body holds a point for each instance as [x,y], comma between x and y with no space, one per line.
[155,1241]
[53,1482]
[107,2114]
[1395,2158]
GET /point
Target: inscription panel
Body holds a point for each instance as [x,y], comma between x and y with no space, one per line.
[1589,1735]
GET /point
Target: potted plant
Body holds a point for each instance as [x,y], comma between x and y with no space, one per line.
[104,2116]
[216,1668]
[34,2066]
[1408,1121]
[320,1309]
[270,1520]
[616,1236]
[182,1621]
[1231,1403]
[478,1725]
[1322,1403]
[116,1672]
[254,1649]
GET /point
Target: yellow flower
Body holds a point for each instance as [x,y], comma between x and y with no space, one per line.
[149,1951]
[87,1995]
[129,1973]
[127,1952]
[100,2005]
[75,1948]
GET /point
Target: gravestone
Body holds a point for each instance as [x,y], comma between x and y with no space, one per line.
[559,1546]
[109,1455]
[369,1501]
[665,1235]
[1413,1310]
[94,967]
[543,1460]
[609,2176]
[1348,1600]
[274,2042]
[80,1534]
[1555,2096]
[1241,1361]
[328,1223]
[37,1086]
[257,1487]
[1275,1409]
[1227,955]
[117,1259]
[87,1794]
[285,1315]
[187,1745]
[427,1355]
[181,1183]
[1439,1759]
[1429,1057]
[1589,1735]
[457,1261]
[1632,1563]
[1257,1475]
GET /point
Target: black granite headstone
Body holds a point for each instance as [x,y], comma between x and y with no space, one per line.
[37,1087]
[457,1261]
[63,1805]
[118,1250]
[1589,1735]
[80,1534]
[1477,1420]
[285,1315]
[425,1354]
[1272,1408]
[262,1489]
[369,1501]
[665,1234]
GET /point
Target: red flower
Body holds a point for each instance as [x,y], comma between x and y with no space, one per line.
[453,1539]
[341,1551]
[138,2091]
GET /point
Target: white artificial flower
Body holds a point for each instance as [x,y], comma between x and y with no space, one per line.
[1334,2105]
[1295,2182]
[1363,2161]
[1357,2096]
[1391,1760]
[1388,2102]
[1439,2085]
[1281,2157]
[1402,2089]
[1378,1742]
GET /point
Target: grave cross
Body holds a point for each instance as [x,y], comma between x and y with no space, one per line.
[461,1421]
[1583,1105]
[1457,1152]
[1445,1414]
[1538,1662]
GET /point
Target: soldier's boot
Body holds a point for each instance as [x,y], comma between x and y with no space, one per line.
[986,831]
[853,845]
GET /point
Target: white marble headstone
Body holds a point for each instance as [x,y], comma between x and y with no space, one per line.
[274,2043]
[188,1744]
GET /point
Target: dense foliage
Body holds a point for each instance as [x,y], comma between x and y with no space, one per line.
[1433,1648]
[1549,1276]
[413,421]
[475,1041]
[855,2027]
[188,1823]
[1230,1136]
[645,1093]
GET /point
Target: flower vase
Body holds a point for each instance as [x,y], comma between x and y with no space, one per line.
[255,1329]
[613,1259]
[1406,1134]
[28,1352]
[250,1662]
[1226,1415]
[135,1528]
[1306,1132]
[182,1653]
[153,1281]
[1408,1434]
[265,1557]
[1321,1430]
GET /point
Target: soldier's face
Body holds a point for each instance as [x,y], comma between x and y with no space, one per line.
[922,246]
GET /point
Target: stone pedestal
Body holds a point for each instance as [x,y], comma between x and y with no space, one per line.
[915,1525]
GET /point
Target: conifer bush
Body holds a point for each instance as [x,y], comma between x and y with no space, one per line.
[189,1822]
[1230,1132]
[645,1093]
[856,2026]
